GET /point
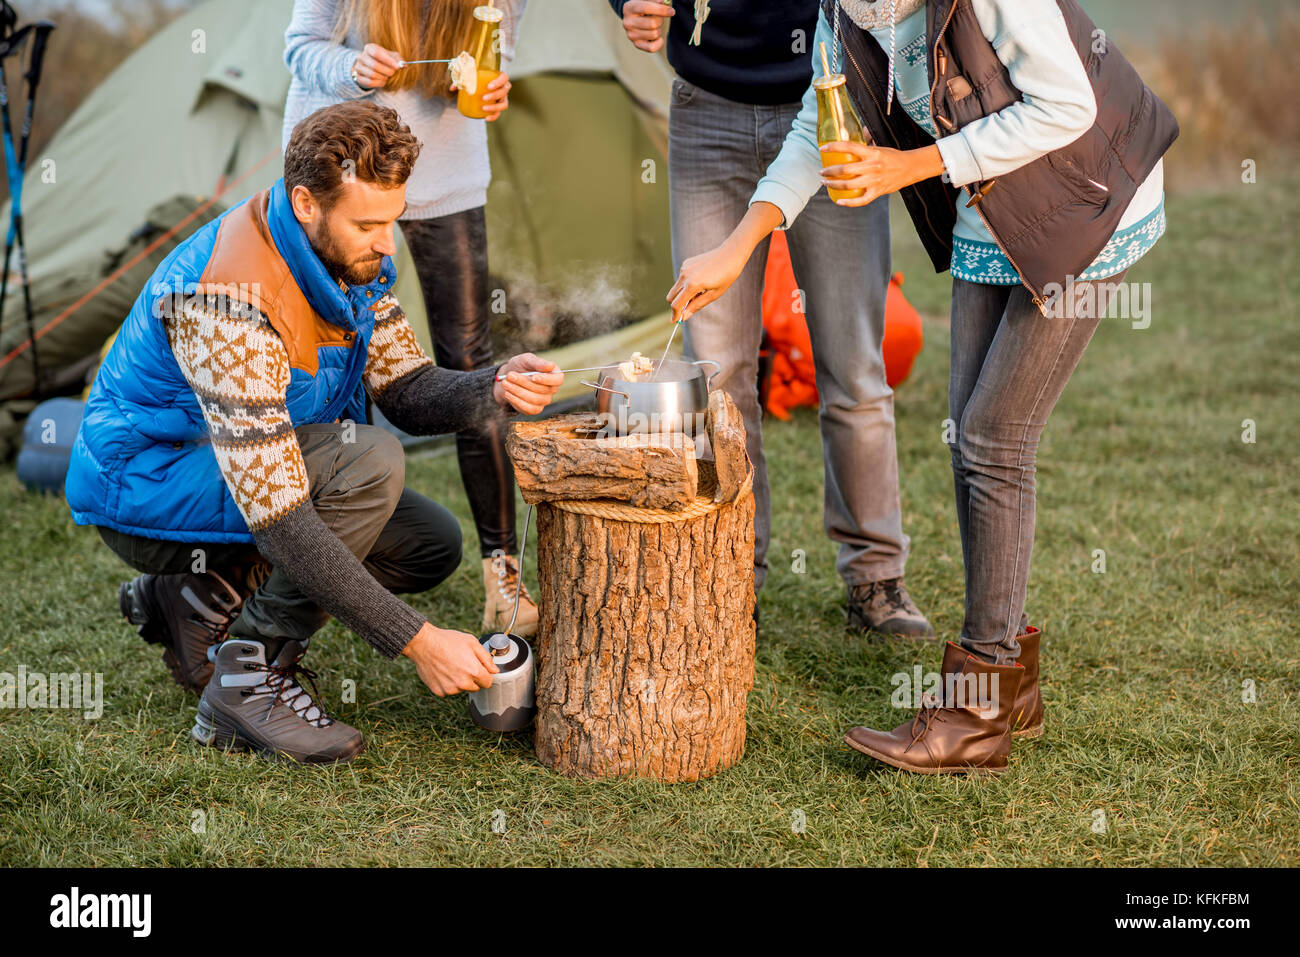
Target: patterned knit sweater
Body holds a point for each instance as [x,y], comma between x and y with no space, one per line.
[239,369]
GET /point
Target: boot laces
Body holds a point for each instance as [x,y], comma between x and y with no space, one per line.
[217,626]
[930,712]
[508,581]
[887,593]
[281,683]
[213,617]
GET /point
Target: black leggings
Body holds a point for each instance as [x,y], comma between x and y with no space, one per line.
[450,254]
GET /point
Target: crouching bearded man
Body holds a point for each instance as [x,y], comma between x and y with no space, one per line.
[224,450]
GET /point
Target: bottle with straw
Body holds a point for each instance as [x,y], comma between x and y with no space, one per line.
[477,65]
[837,122]
[484,45]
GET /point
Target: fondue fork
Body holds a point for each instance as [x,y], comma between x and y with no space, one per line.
[563,371]
[664,359]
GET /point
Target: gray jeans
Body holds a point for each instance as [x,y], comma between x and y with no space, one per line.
[1009,366]
[717,152]
[408,548]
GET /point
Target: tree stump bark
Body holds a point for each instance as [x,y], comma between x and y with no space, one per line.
[727,438]
[646,639]
[560,459]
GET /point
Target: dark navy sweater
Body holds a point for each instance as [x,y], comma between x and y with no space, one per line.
[751,51]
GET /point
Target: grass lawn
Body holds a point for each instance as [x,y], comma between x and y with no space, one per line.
[1144,664]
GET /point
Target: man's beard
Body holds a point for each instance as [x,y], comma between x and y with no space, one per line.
[357,273]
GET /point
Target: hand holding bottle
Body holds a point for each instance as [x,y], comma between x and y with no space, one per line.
[875,170]
[496,97]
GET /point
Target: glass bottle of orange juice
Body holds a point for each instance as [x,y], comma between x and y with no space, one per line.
[484,45]
[837,122]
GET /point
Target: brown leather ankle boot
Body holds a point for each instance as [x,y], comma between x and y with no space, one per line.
[966,731]
[1027,715]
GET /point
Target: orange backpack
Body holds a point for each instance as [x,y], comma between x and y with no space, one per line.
[792,379]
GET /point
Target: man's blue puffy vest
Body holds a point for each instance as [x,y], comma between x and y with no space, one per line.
[142,462]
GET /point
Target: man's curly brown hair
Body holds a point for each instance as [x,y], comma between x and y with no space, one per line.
[351,140]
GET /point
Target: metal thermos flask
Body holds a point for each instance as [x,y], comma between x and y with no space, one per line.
[509,704]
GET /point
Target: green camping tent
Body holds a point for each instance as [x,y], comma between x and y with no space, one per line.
[190,124]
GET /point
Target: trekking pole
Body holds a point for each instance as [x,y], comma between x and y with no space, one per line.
[16,167]
[40,37]
[9,38]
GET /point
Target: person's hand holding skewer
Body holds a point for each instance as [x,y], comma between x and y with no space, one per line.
[704,278]
[376,66]
[530,394]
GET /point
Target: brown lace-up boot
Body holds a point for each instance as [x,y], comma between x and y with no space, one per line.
[501,581]
[966,731]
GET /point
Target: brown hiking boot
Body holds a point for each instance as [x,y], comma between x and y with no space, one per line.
[256,704]
[885,608]
[186,614]
[967,732]
[1027,714]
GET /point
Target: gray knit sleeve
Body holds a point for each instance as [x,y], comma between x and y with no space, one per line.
[337,581]
[432,401]
[414,394]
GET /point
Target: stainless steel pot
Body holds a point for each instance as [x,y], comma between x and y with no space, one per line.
[676,400]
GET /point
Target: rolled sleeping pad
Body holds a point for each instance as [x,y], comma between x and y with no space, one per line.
[48,436]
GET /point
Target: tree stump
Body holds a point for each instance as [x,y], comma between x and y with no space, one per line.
[646,639]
